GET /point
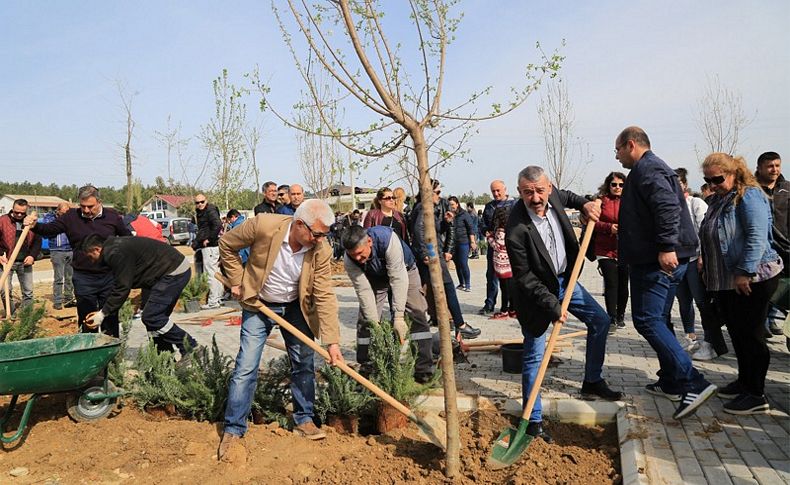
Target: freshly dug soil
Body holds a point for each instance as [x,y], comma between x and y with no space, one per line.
[136,447]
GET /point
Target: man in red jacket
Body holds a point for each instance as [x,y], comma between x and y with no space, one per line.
[10,231]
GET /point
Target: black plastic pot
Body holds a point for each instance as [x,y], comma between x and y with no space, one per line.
[512,358]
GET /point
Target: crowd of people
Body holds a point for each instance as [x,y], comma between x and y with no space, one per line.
[723,251]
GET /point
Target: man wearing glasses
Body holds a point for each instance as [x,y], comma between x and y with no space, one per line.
[93,282]
[206,241]
[288,271]
[656,238]
[270,202]
[10,231]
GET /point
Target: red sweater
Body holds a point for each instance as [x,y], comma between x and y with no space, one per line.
[605,241]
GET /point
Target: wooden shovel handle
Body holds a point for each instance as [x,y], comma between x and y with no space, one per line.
[555,332]
[284,324]
[14,253]
[499,343]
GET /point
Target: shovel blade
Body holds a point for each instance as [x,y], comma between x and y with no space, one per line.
[508,447]
[434,428]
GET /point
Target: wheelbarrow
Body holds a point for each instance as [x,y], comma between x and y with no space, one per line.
[70,363]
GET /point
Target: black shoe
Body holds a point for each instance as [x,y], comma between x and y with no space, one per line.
[731,391]
[656,390]
[747,404]
[468,331]
[535,429]
[485,311]
[70,304]
[693,400]
[620,322]
[774,328]
[423,377]
[600,389]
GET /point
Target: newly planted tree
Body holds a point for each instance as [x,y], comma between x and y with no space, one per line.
[347,39]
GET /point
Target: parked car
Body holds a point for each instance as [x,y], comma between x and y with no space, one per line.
[175,229]
[154,214]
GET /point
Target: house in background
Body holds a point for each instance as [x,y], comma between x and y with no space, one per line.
[340,198]
[39,203]
[168,204]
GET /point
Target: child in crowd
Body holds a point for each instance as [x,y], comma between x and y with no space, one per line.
[502,262]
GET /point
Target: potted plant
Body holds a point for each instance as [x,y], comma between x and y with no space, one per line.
[340,400]
[194,292]
[393,371]
[272,393]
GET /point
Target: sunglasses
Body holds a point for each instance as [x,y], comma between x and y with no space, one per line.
[281,195]
[616,184]
[316,235]
[437,192]
[389,197]
[717,180]
[198,202]
[19,214]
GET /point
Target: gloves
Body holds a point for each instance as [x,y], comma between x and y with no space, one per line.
[94,319]
[400,327]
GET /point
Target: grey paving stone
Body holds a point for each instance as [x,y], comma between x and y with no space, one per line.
[717,475]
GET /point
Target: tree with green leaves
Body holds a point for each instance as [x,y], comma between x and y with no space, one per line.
[347,39]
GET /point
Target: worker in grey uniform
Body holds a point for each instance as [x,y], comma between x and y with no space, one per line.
[379,262]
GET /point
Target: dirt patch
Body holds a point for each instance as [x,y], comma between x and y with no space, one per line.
[133,446]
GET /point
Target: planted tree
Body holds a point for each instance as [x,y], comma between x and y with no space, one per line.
[25,324]
[341,399]
[195,290]
[273,393]
[347,40]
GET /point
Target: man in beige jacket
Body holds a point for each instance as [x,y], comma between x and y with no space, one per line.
[288,270]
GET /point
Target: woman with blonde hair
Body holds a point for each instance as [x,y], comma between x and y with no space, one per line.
[740,266]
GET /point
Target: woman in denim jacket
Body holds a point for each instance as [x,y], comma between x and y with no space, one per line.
[740,266]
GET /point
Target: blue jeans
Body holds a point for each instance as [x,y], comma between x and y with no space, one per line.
[461,260]
[652,293]
[690,291]
[492,282]
[255,329]
[584,307]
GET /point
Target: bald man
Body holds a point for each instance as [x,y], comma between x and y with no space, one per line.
[501,199]
[60,254]
[296,195]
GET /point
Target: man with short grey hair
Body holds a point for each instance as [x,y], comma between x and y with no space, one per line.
[542,247]
[93,282]
[295,197]
[288,271]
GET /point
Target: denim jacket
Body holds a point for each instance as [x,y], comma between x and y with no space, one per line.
[745,233]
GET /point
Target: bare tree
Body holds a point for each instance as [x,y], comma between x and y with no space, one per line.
[126,102]
[720,116]
[223,137]
[566,155]
[169,139]
[319,156]
[347,39]
[252,137]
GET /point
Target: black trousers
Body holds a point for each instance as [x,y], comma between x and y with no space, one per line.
[745,318]
[507,293]
[158,307]
[711,323]
[615,287]
[91,291]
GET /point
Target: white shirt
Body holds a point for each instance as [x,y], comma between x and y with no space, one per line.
[549,226]
[282,285]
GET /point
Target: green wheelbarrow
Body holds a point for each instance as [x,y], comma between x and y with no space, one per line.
[70,363]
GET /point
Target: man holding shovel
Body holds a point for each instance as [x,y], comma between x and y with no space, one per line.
[378,263]
[542,247]
[289,272]
[11,226]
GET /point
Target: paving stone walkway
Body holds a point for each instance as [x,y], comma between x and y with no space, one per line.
[710,447]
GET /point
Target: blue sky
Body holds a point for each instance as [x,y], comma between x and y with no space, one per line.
[627,62]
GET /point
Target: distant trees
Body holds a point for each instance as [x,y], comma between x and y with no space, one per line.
[720,117]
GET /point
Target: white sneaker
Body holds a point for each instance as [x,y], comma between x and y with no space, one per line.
[704,352]
[209,306]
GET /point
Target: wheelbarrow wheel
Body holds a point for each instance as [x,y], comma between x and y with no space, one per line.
[82,409]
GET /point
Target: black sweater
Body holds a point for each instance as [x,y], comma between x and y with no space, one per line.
[77,228]
[136,262]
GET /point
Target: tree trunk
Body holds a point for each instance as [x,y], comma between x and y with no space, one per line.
[445,333]
[128,150]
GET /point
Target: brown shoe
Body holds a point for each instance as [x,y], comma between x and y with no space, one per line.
[310,431]
[227,441]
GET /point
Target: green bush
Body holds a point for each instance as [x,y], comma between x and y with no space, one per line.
[340,395]
[24,325]
[196,289]
[391,371]
[117,368]
[273,392]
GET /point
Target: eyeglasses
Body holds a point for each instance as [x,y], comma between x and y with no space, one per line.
[316,235]
[437,192]
[717,180]
[19,213]
[389,197]
[616,184]
[198,202]
[282,194]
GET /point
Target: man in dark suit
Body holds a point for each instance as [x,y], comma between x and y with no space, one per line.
[542,248]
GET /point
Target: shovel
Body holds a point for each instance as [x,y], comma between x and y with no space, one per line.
[11,259]
[432,427]
[511,443]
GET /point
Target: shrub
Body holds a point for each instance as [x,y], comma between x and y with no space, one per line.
[273,392]
[196,289]
[118,367]
[25,325]
[340,395]
[393,372]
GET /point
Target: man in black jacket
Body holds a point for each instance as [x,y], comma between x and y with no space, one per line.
[656,238]
[207,242]
[542,248]
[141,262]
[269,205]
